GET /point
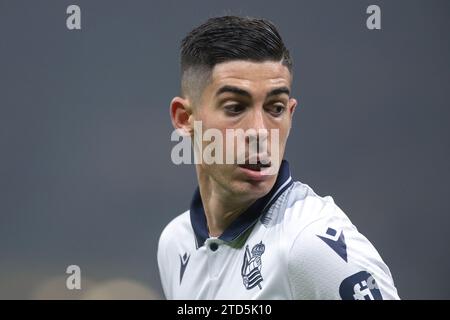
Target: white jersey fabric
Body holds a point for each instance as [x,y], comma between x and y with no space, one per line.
[290,244]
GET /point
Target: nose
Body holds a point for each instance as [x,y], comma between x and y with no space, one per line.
[257,129]
[257,120]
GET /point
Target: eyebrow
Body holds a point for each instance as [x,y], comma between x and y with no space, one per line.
[278,91]
[245,93]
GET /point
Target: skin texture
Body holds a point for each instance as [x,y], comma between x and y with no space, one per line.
[228,189]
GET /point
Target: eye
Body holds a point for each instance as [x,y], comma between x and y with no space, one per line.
[234,109]
[276,110]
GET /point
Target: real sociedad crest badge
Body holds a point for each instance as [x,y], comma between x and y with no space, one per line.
[251,267]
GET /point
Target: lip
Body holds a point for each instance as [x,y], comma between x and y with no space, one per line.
[255,175]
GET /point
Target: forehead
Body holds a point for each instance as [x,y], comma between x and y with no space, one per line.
[250,74]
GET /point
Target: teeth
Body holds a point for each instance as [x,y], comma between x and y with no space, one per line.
[256,167]
[265,165]
[253,167]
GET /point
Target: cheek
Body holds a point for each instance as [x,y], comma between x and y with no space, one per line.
[283,132]
[209,119]
[287,128]
[284,135]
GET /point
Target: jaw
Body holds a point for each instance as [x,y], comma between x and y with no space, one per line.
[233,183]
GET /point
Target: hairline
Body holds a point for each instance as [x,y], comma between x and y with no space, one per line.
[204,72]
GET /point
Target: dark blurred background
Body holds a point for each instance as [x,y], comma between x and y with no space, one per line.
[86,176]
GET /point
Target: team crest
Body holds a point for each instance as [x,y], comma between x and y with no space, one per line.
[251,267]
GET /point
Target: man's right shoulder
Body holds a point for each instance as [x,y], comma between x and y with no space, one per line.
[171,241]
[178,228]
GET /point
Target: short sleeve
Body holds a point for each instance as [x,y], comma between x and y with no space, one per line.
[330,259]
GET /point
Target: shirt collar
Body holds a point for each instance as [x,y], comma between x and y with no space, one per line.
[244,221]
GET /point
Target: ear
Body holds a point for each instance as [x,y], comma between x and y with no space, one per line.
[181,113]
[292,106]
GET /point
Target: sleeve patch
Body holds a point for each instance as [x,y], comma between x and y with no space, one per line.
[360,286]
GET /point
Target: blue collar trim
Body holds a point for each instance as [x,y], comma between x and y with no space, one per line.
[244,221]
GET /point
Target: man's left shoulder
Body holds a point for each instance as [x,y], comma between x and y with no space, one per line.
[303,207]
[327,255]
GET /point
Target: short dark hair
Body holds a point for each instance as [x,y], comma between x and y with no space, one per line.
[228,38]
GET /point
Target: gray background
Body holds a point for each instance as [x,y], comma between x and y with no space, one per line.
[85,170]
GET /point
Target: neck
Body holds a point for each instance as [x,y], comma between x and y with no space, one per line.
[221,206]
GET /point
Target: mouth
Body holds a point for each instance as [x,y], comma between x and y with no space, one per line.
[255,167]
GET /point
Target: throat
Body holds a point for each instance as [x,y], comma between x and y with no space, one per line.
[220,213]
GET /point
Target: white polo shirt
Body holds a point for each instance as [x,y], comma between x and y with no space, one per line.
[290,244]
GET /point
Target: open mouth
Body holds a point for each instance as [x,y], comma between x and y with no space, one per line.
[255,167]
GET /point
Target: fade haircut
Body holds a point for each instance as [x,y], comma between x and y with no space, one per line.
[224,39]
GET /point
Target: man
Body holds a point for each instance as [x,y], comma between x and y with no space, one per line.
[251,231]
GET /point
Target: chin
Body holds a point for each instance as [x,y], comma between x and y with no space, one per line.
[253,189]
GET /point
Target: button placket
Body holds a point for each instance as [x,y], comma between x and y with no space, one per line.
[214,257]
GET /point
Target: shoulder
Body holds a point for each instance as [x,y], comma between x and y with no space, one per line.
[303,207]
[175,229]
[174,236]
[327,256]
[168,248]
